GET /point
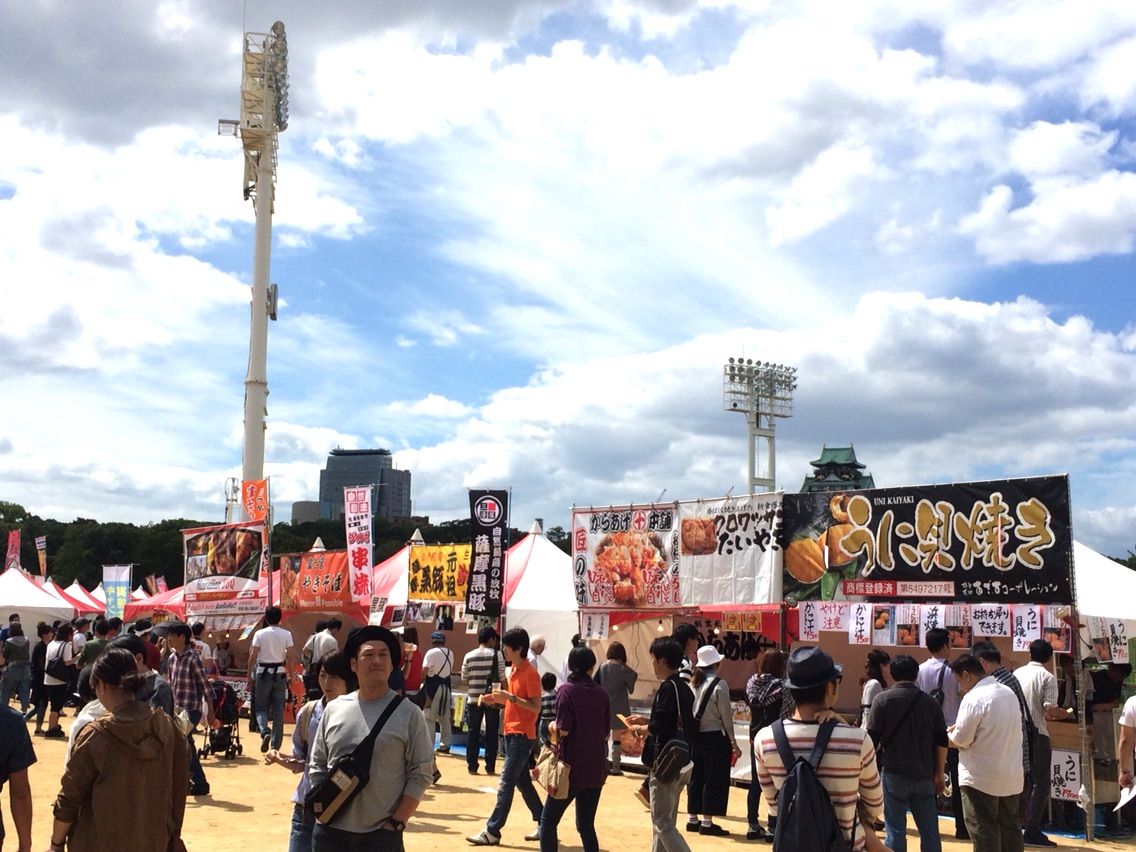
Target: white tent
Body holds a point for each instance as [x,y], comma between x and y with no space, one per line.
[20,594]
[1104,588]
[540,596]
[79,593]
[99,594]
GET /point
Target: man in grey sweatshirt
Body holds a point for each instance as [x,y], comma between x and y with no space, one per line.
[402,763]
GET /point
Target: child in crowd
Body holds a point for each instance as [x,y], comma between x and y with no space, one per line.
[547,705]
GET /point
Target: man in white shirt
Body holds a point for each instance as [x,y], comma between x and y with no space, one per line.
[1126,743]
[269,655]
[437,667]
[937,680]
[536,648]
[1039,687]
[988,734]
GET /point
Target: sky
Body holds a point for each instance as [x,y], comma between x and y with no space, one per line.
[516,241]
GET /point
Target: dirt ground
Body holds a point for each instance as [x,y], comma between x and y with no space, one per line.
[250,809]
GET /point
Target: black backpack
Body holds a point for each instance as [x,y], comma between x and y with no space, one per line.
[806,821]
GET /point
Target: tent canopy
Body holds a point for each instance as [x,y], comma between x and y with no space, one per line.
[20,594]
[1104,588]
[172,601]
[81,607]
[76,591]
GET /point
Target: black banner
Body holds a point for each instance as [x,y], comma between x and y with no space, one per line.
[1004,540]
[489,518]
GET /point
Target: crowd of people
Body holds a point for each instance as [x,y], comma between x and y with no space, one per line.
[965,728]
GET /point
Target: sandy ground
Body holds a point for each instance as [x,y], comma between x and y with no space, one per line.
[250,809]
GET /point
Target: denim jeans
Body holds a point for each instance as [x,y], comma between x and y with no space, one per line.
[492,716]
[16,680]
[270,692]
[903,794]
[328,839]
[197,778]
[587,801]
[514,776]
[300,838]
[665,836]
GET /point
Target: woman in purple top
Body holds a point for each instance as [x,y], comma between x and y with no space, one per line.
[582,728]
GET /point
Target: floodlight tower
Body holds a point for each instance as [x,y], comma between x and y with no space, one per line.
[762,392]
[264,113]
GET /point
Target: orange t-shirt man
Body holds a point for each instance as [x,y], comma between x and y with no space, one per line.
[524,683]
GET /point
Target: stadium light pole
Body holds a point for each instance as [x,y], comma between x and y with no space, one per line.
[762,392]
[264,113]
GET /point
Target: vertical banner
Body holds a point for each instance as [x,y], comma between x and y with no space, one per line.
[254,497]
[160,582]
[151,584]
[41,554]
[12,560]
[116,584]
[489,517]
[357,518]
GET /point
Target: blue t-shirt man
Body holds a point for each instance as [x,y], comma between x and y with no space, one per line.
[16,755]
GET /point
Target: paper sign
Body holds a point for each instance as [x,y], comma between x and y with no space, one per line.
[960,632]
[1065,775]
[860,624]
[990,619]
[931,617]
[1118,642]
[883,624]
[378,606]
[1026,625]
[594,625]
[809,621]
[907,625]
[833,616]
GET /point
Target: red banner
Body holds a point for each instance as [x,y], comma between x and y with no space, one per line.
[318,581]
[13,558]
[254,497]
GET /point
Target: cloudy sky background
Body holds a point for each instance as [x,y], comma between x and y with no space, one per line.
[517,239]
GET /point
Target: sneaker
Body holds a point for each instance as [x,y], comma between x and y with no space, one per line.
[30,714]
[472,770]
[443,749]
[758,833]
[483,838]
[38,732]
[643,794]
[713,830]
[615,770]
[437,775]
[534,834]
[265,741]
[1032,838]
[55,733]
[200,790]
[693,825]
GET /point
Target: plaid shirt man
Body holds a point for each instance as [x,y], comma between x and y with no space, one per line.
[187,680]
[1005,677]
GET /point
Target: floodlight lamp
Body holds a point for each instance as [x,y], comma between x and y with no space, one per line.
[227,126]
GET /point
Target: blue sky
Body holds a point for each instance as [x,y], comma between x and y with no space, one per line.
[516,240]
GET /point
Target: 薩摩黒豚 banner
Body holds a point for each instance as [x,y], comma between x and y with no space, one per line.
[489,523]
[626,557]
[1003,540]
[730,550]
[438,572]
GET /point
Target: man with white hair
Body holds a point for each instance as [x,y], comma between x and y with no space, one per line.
[536,648]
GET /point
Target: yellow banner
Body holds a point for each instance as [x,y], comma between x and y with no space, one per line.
[439,572]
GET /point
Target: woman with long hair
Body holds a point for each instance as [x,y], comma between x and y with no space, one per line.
[873,682]
[133,748]
[714,747]
[45,633]
[766,696]
[59,650]
[581,726]
[618,679]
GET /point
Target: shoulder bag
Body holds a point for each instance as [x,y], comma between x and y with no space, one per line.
[348,775]
[937,693]
[552,773]
[675,753]
[58,669]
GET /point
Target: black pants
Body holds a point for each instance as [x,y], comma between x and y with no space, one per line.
[709,789]
[956,791]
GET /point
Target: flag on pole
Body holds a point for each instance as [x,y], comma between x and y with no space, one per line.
[357,520]
[41,553]
[254,496]
[161,583]
[116,584]
[13,558]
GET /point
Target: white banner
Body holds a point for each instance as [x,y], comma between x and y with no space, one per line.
[357,520]
[728,550]
[594,625]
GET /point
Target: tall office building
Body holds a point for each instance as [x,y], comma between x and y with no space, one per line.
[390,498]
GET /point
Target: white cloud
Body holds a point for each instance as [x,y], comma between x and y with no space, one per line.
[432,405]
[820,193]
[1110,78]
[1069,149]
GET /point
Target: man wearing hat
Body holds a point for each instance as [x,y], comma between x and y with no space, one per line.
[142,628]
[847,769]
[438,665]
[401,763]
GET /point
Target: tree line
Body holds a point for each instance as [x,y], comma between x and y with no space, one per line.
[77,550]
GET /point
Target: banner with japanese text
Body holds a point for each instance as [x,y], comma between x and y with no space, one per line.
[317,581]
[254,497]
[439,572]
[626,557]
[730,550]
[360,546]
[224,561]
[1004,540]
[489,523]
[116,585]
[41,554]
[161,584]
[12,560]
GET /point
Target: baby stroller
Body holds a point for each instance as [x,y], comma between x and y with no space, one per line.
[226,738]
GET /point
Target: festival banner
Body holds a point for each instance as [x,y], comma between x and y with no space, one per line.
[41,554]
[357,518]
[116,584]
[489,520]
[224,561]
[254,497]
[317,581]
[626,557]
[12,560]
[1005,540]
[730,551]
[151,584]
[160,582]
[439,572]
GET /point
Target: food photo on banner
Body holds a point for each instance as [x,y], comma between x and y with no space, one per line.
[489,523]
[1003,540]
[626,557]
[318,581]
[439,572]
